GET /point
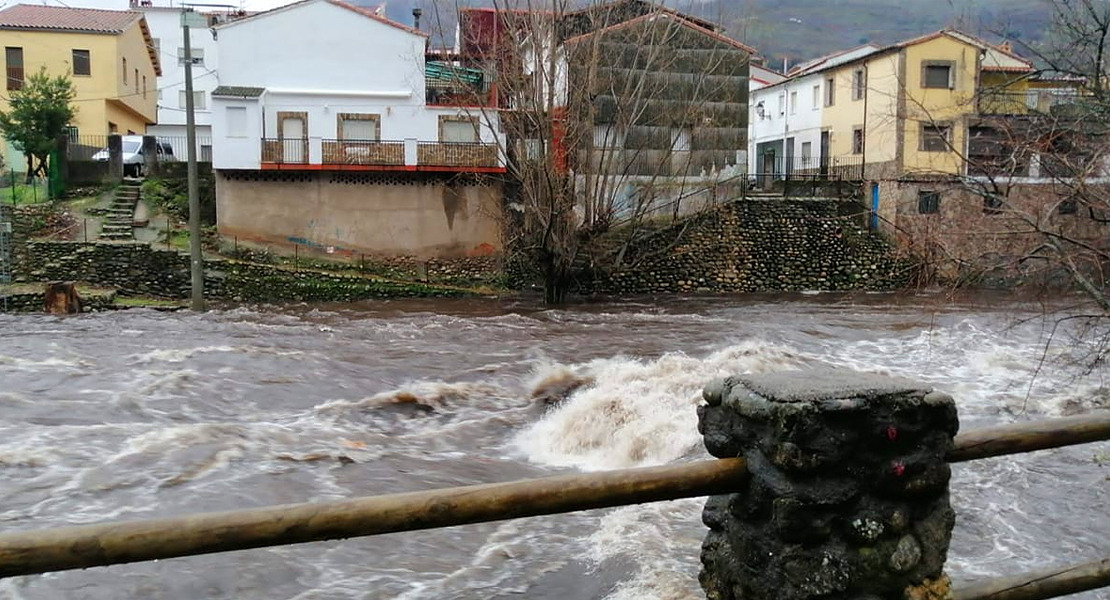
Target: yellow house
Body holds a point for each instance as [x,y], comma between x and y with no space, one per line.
[905,109]
[109,55]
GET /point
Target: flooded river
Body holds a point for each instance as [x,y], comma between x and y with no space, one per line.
[141,414]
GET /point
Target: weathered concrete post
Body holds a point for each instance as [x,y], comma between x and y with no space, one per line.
[848,489]
[150,156]
[115,158]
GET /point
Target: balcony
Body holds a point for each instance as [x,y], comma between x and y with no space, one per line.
[456,154]
[447,84]
[363,152]
[379,155]
[1035,101]
[285,151]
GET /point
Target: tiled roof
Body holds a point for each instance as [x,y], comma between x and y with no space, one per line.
[238,91]
[57,18]
[355,9]
[673,16]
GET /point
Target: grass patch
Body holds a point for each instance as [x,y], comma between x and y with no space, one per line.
[22,193]
[144,302]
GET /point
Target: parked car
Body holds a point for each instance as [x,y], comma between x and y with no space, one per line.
[133,158]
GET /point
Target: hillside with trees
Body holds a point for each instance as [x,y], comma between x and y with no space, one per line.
[802,29]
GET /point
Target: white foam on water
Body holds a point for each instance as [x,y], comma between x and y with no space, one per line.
[638,412]
[173,355]
[662,539]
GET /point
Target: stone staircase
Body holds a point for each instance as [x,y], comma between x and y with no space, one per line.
[119,220]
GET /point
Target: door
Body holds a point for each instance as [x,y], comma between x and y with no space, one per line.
[824,171]
[874,207]
[293,140]
[768,169]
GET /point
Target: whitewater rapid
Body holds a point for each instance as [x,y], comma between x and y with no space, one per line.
[143,414]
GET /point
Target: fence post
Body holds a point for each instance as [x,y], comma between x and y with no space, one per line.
[150,156]
[848,489]
[115,158]
[59,167]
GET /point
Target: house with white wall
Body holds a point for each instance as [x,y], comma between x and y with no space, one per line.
[164,19]
[788,133]
[331,130]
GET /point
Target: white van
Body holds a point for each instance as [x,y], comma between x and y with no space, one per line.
[133,159]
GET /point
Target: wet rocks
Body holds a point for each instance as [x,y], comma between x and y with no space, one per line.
[847,495]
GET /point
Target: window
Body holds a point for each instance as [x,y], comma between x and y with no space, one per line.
[236,121]
[81,63]
[859,84]
[782,103]
[14,59]
[816,96]
[458,130]
[857,140]
[1068,206]
[136,81]
[125,71]
[355,126]
[992,204]
[144,86]
[198,100]
[197,55]
[807,153]
[830,91]
[680,139]
[936,137]
[928,202]
[793,103]
[937,74]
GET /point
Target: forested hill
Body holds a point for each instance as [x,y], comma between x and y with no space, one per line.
[802,29]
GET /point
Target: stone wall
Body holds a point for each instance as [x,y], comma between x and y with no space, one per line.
[32,302]
[847,494]
[755,245]
[139,269]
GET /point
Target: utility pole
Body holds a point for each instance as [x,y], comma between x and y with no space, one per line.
[196,259]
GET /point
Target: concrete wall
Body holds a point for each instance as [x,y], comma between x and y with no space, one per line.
[361,212]
[929,105]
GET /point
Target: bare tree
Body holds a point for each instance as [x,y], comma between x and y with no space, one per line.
[611,113]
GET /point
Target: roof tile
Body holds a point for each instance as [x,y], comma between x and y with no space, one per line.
[57,18]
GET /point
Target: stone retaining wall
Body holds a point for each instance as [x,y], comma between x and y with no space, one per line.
[757,246]
[139,269]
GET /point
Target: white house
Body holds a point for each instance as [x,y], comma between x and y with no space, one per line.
[332,131]
[164,20]
[787,129]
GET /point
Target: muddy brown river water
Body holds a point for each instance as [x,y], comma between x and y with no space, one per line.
[140,414]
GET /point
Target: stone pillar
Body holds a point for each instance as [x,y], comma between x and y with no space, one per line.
[115,158]
[150,156]
[848,489]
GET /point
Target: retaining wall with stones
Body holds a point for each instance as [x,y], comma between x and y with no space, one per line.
[756,246]
[139,269]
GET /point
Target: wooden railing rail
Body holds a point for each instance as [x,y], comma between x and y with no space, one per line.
[27,552]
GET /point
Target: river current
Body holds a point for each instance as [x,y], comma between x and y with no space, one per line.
[141,414]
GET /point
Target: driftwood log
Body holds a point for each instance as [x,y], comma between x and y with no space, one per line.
[61,298]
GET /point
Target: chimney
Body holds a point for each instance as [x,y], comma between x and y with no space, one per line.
[416,12]
[1006,46]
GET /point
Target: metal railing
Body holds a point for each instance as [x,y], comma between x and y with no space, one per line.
[363,152]
[1006,102]
[456,154]
[768,168]
[289,151]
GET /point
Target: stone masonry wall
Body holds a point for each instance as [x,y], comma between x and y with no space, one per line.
[138,269]
[759,245]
